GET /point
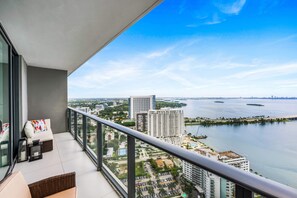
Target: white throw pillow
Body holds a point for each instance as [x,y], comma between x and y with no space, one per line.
[29,130]
[48,123]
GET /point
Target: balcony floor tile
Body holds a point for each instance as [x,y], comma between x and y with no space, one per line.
[68,156]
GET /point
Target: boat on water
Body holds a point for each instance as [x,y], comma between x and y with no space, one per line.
[218,101]
[201,137]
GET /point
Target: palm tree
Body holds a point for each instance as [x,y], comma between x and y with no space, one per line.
[151,190]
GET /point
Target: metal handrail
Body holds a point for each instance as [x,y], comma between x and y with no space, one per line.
[247,180]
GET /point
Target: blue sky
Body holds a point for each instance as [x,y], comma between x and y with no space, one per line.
[199,48]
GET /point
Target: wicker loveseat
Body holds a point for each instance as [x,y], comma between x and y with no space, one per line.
[46,136]
[15,186]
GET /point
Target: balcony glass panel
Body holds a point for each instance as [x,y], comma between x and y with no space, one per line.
[80,127]
[199,182]
[115,154]
[72,122]
[92,136]
[157,172]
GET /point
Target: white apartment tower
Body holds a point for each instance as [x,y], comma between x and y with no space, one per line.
[212,185]
[209,182]
[139,104]
[233,159]
[167,124]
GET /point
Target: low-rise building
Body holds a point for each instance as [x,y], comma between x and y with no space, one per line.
[160,163]
[169,163]
[109,135]
[99,107]
[109,152]
[84,109]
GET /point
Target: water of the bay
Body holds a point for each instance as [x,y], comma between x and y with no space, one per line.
[270,148]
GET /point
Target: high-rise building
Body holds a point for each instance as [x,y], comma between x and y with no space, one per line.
[233,159]
[209,182]
[141,121]
[139,104]
[212,185]
[167,124]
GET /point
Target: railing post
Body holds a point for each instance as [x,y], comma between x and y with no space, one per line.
[99,146]
[131,167]
[84,132]
[75,125]
[241,192]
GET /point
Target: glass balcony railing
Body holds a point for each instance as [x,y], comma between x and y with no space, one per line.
[139,165]
[115,154]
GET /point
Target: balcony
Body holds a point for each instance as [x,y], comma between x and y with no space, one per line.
[105,155]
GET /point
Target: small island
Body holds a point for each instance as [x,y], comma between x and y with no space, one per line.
[170,104]
[258,105]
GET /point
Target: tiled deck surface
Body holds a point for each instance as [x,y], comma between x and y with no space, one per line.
[68,156]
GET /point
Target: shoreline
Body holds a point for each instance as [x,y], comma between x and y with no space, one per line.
[236,121]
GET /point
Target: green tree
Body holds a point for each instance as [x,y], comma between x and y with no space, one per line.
[162,191]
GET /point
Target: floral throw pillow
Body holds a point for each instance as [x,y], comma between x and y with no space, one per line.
[5,128]
[39,125]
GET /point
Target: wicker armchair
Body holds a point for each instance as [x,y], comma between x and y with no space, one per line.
[15,186]
[52,185]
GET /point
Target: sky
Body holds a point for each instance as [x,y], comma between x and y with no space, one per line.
[198,48]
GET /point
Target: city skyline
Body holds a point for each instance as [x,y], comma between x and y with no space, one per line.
[195,49]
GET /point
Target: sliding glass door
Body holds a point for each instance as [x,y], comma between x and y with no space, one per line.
[5,125]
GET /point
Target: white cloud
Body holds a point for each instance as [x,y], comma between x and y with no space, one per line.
[214,20]
[286,83]
[105,75]
[232,7]
[285,39]
[267,72]
[193,25]
[182,7]
[160,53]
[180,71]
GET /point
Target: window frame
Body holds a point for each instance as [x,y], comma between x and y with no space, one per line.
[13,102]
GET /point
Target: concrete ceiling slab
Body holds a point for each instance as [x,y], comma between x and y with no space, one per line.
[64,34]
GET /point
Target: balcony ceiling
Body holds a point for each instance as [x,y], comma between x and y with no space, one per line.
[63,34]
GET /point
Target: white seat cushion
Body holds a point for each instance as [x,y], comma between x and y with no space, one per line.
[42,136]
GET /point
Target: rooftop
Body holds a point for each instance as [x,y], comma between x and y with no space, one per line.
[160,163]
[229,155]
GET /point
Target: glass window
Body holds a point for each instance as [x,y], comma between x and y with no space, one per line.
[4,108]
